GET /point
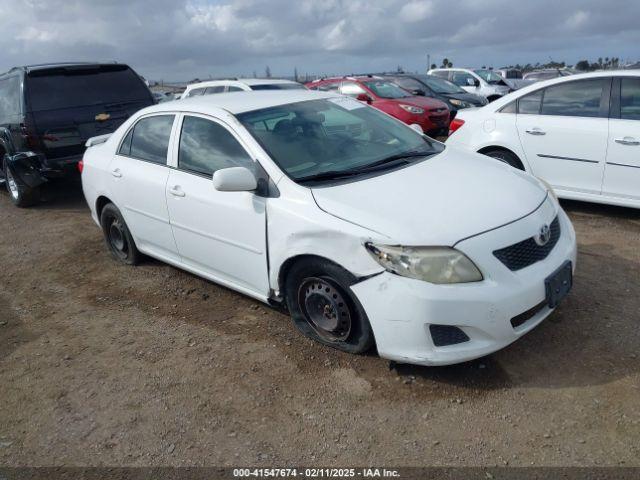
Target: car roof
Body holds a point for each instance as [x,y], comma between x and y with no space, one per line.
[246,81]
[48,66]
[239,102]
[352,78]
[499,103]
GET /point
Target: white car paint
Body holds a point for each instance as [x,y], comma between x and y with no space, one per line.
[240,84]
[595,159]
[241,239]
[483,88]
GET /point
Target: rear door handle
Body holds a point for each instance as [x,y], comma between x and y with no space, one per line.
[116,173]
[176,191]
[535,131]
[627,141]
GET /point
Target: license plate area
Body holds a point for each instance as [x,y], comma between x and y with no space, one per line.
[558,284]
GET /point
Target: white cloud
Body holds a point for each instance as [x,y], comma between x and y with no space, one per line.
[416,10]
[577,20]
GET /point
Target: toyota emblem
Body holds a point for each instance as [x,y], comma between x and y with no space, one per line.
[544,235]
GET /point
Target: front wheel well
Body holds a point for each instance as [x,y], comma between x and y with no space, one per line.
[101,202]
[285,268]
[487,150]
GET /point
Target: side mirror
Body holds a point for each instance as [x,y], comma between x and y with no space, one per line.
[234,179]
[363,97]
[418,92]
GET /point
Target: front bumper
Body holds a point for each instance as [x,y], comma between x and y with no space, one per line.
[401,309]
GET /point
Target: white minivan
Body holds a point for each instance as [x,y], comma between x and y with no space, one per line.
[368,232]
[579,133]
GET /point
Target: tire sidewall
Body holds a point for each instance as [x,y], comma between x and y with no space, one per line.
[26,196]
[109,212]
[361,337]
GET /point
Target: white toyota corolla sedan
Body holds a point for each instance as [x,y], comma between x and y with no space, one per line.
[580,133]
[369,232]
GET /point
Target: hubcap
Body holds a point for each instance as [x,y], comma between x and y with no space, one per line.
[13,187]
[117,238]
[325,308]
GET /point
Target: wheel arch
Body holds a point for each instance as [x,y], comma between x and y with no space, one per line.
[101,202]
[286,266]
[490,148]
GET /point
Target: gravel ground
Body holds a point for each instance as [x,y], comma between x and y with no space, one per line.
[102,364]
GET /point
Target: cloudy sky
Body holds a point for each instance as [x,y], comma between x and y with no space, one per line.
[183,39]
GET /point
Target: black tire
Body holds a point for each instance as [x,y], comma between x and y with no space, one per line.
[506,157]
[323,308]
[20,194]
[118,237]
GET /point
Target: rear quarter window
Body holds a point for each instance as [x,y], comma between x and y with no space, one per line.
[9,96]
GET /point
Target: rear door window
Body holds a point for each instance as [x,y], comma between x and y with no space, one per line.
[234,89]
[195,92]
[630,99]
[150,138]
[574,99]
[57,88]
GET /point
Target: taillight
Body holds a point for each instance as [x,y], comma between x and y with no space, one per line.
[81,166]
[30,139]
[455,124]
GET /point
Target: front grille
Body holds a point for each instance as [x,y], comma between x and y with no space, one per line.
[444,335]
[527,252]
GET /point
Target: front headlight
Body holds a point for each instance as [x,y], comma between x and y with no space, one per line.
[459,103]
[412,109]
[431,264]
[549,188]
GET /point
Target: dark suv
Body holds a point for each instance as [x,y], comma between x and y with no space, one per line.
[48,112]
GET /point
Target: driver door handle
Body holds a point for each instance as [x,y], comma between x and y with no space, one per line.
[627,141]
[176,191]
[116,173]
[535,131]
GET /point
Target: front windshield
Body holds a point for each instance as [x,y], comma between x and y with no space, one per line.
[489,76]
[440,85]
[384,89]
[332,136]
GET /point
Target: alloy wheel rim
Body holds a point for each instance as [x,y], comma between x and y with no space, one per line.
[325,308]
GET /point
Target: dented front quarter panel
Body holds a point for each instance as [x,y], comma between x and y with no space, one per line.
[296,226]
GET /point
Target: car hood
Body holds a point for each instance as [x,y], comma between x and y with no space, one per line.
[439,201]
[427,103]
[465,97]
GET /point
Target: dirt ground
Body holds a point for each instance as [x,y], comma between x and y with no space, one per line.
[102,364]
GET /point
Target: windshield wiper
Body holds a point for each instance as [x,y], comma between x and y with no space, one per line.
[337,174]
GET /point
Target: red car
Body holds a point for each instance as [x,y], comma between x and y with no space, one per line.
[431,114]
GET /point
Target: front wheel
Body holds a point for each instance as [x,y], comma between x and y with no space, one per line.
[118,237]
[323,308]
[21,195]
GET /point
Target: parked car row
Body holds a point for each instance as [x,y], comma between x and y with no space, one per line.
[315,200]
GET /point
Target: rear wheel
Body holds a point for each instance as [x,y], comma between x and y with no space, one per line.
[20,194]
[323,308]
[506,157]
[118,237]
